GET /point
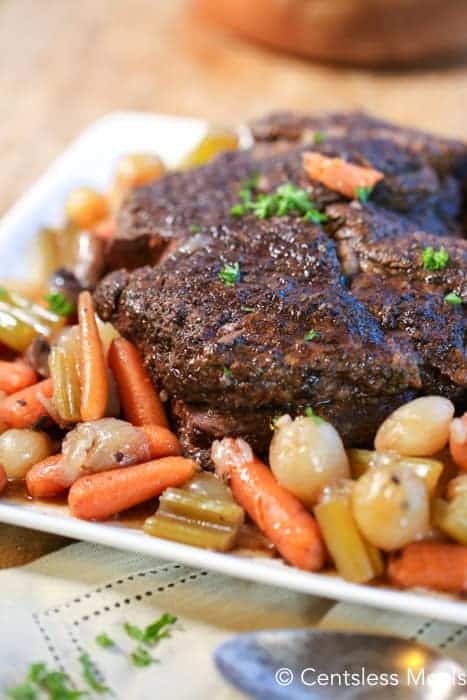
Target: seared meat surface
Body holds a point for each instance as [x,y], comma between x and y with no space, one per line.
[233,356]
[419,181]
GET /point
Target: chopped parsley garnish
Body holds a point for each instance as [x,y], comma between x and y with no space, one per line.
[154,632]
[230,274]
[104,641]
[90,675]
[55,684]
[319,137]
[363,193]
[226,373]
[311,335]
[287,199]
[434,259]
[23,691]
[134,631]
[317,217]
[194,228]
[59,304]
[141,657]
[149,637]
[309,413]
[453,298]
[160,629]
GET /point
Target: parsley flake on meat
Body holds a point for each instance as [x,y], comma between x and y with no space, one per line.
[309,413]
[230,274]
[195,228]
[363,194]
[274,422]
[319,137]
[434,259]
[453,298]
[287,199]
[311,335]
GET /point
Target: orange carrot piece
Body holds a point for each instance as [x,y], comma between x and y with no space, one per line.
[440,566]
[93,369]
[339,175]
[458,441]
[15,376]
[278,514]
[101,495]
[162,442]
[46,479]
[3,479]
[105,229]
[24,408]
[52,476]
[140,400]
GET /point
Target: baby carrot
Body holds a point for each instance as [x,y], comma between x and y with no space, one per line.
[47,479]
[140,401]
[339,175]
[3,479]
[15,376]
[458,441]
[277,513]
[162,442]
[436,565]
[101,495]
[93,370]
[54,475]
[24,408]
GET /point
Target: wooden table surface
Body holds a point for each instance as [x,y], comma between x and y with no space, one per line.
[65,63]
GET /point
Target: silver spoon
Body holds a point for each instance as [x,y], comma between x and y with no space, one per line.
[285,664]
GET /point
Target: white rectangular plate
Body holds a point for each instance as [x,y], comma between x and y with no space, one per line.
[90,160]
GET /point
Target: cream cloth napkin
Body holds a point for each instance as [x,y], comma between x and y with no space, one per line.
[53,609]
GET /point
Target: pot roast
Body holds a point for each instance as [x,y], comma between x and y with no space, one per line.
[342,316]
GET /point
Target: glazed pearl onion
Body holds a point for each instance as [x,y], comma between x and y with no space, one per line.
[21,449]
[307,454]
[391,506]
[419,428]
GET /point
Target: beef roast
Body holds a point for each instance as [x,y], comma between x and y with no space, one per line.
[232,356]
[420,180]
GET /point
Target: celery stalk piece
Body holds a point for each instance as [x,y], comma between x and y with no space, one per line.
[429,470]
[45,256]
[35,311]
[14,333]
[451,517]
[345,544]
[216,141]
[64,370]
[73,391]
[193,506]
[57,373]
[198,534]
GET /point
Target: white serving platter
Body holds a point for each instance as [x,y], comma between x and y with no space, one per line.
[91,160]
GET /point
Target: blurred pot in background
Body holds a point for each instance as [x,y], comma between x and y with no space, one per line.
[360,32]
